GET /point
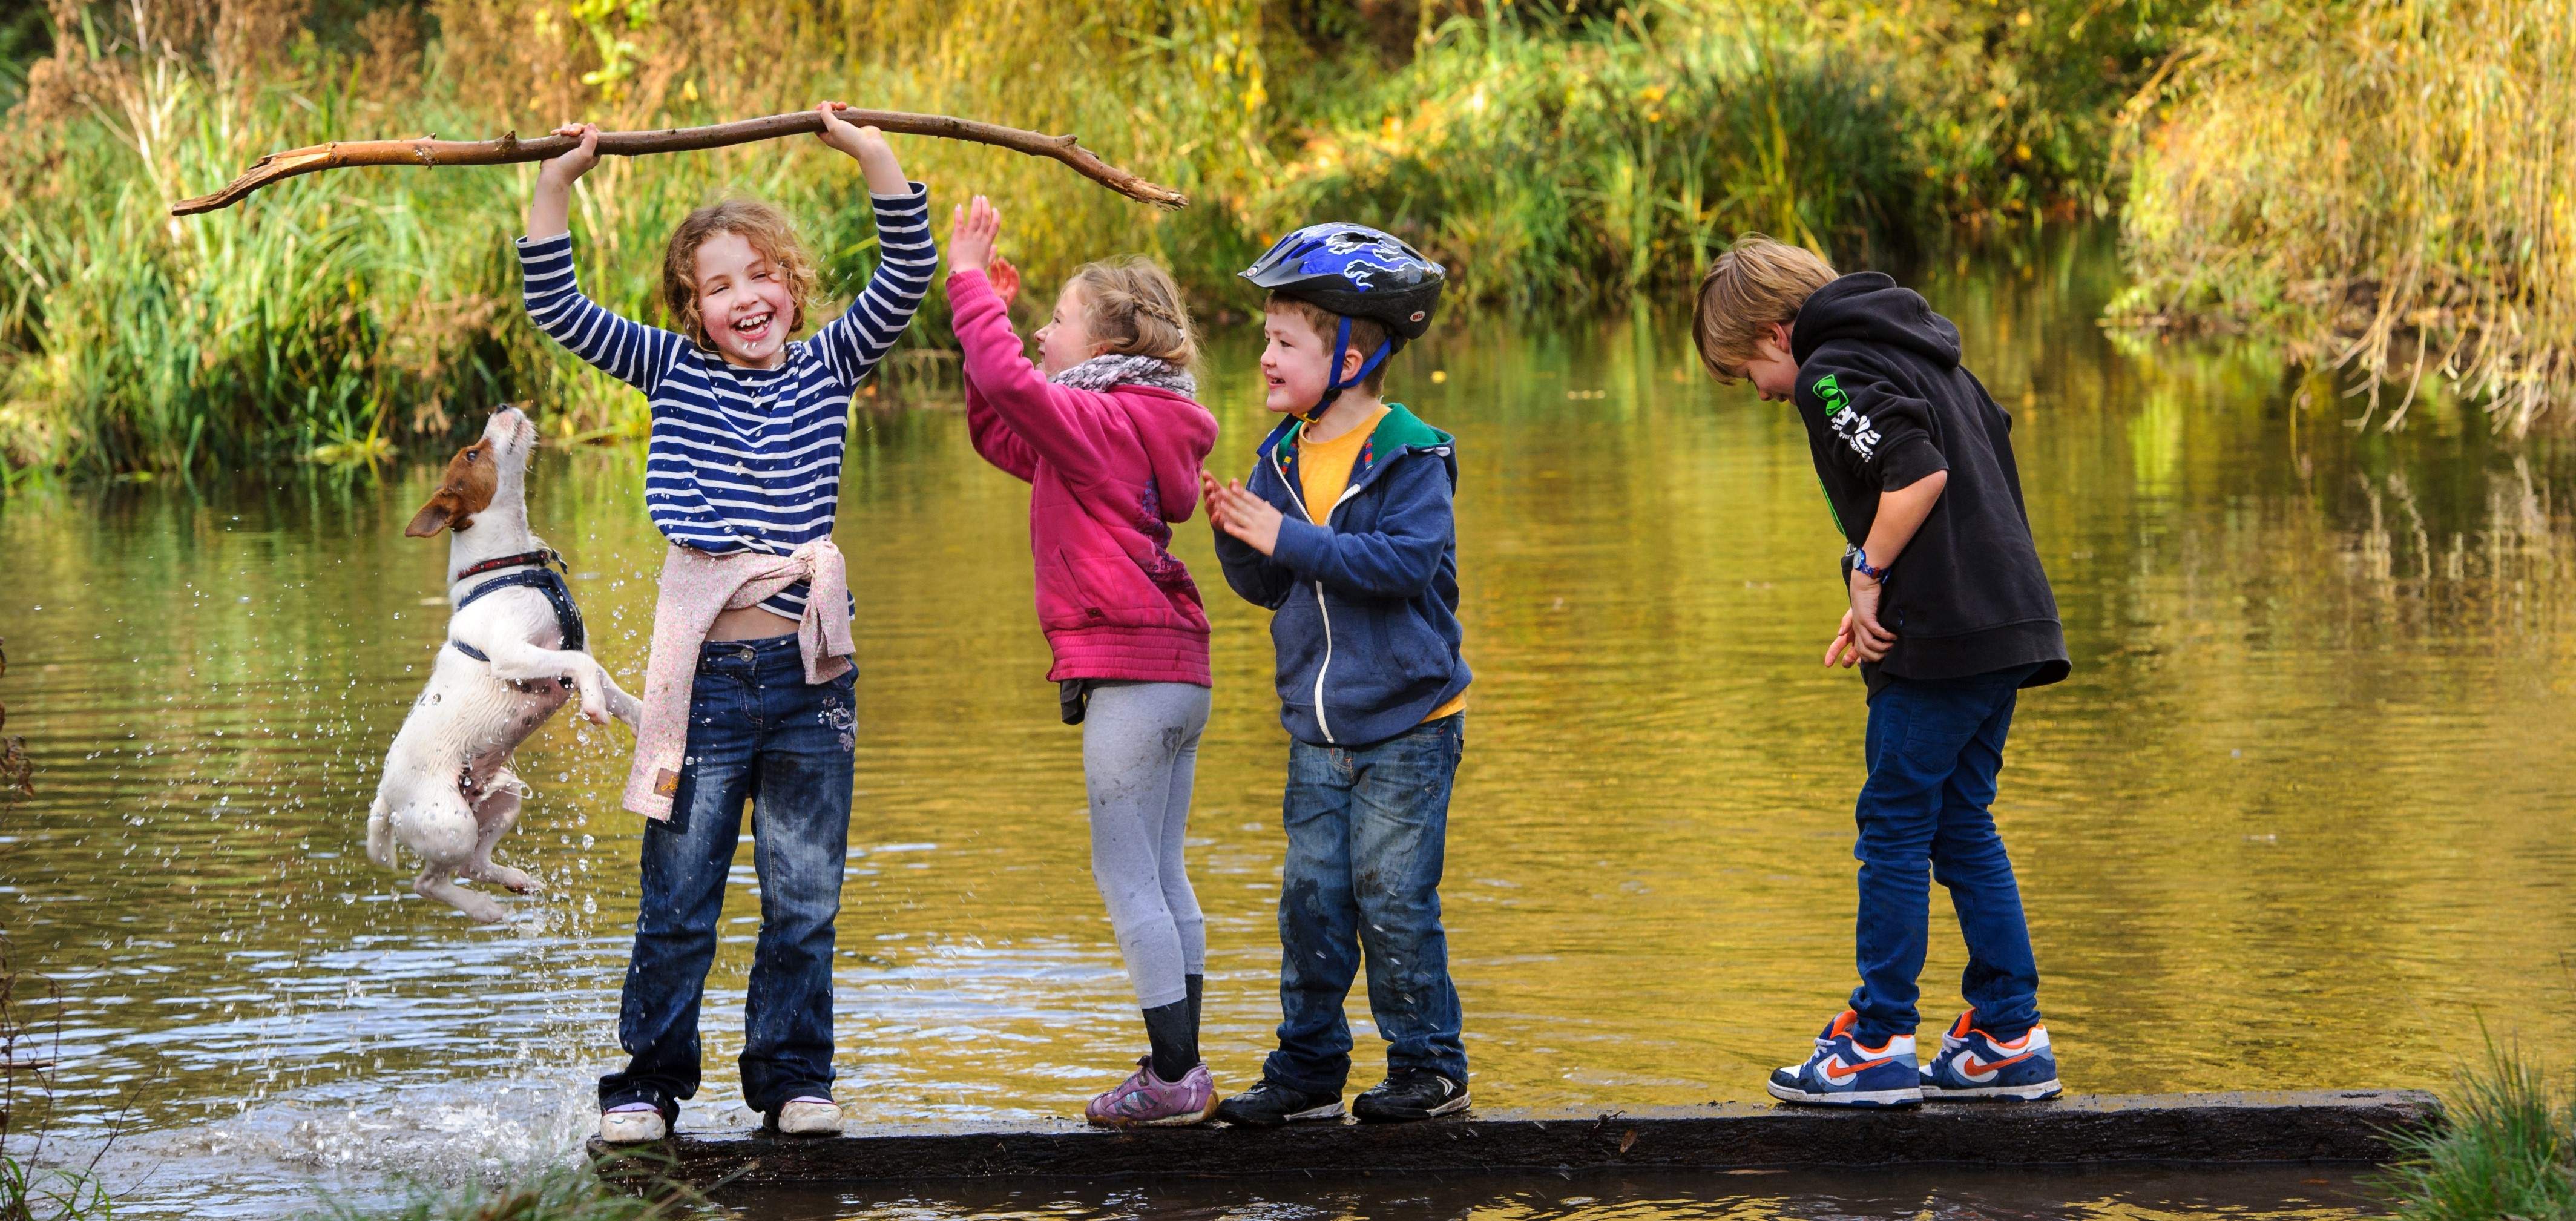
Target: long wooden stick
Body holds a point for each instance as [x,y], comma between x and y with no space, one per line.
[277,167]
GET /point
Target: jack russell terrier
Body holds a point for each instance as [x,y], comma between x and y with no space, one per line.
[514,654]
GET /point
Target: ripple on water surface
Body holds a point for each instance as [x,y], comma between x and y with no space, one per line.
[2294,822]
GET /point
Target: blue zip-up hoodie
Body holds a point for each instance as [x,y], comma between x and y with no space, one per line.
[1365,591]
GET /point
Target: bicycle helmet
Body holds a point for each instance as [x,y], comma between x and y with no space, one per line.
[1356,272]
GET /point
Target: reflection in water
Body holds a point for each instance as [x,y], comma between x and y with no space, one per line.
[2296,820]
[1757,1195]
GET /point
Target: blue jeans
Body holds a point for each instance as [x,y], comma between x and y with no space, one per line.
[1934,750]
[756,731]
[1367,829]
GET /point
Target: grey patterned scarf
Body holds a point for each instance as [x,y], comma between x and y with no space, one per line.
[1103,372]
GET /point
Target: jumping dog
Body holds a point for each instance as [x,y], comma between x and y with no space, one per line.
[514,654]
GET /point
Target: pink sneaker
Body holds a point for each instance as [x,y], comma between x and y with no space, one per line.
[1142,1101]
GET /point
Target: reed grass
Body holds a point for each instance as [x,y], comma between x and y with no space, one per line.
[1556,158]
[556,1193]
[2386,184]
[34,1187]
[2508,1150]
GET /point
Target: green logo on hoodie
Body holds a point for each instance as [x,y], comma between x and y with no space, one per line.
[1832,394]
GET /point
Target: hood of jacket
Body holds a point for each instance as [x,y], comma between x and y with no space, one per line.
[1177,434]
[1871,308]
[1398,432]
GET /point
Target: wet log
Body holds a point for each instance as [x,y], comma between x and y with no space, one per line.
[510,149]
[2169,1129]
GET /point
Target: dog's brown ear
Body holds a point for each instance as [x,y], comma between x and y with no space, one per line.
[433,517]
[465,490]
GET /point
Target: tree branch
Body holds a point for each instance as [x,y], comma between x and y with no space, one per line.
[509,149]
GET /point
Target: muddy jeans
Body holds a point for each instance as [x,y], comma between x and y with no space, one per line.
[756,731]
[1367,830]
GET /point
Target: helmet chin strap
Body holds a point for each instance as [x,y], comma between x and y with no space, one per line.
[1341,351]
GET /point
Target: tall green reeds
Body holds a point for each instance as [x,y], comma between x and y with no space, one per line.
[2508,1150]
[1555,157]
[2389,184]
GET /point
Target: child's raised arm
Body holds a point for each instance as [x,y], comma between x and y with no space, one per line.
[985,425]
[852,344]
[550,210]
[628,351]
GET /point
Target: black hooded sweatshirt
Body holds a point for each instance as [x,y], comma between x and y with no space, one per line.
[1886,404]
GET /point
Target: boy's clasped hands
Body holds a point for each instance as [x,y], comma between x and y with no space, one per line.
[1861,637]
[1238,512]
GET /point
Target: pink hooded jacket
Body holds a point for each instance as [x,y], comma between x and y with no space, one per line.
[1109,473]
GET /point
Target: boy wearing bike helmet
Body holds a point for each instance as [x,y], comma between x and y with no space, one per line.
[1344,531]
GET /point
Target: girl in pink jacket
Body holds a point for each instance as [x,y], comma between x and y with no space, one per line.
[1106,432]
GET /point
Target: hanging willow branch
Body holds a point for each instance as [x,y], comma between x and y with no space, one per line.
[339,154]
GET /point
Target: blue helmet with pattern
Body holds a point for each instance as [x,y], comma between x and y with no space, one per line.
[1357,272]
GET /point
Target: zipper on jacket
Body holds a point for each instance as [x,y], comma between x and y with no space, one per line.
[1323,610]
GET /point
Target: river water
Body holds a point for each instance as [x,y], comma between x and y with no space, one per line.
[2298,819]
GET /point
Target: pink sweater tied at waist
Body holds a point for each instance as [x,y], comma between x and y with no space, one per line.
[696,587]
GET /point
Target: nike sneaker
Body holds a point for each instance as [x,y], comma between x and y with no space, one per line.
[1844,1072]
[1976,1066]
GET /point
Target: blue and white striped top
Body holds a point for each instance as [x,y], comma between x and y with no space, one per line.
[745,459]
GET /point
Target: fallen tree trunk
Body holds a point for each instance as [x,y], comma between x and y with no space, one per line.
[509,149]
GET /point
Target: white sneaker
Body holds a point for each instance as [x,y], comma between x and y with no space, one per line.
[810,1117]
[631,1127]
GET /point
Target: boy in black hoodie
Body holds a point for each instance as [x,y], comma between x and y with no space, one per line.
[1950,617]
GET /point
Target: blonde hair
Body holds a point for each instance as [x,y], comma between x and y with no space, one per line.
[1757,282]
[1366,334]
[1133,308]
[768,231]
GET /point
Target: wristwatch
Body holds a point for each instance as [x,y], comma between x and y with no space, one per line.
[1860,564]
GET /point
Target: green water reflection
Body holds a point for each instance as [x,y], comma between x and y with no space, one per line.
[2299,819]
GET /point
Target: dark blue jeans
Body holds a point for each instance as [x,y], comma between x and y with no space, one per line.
[756,731]
[1367,831]
[1935,748]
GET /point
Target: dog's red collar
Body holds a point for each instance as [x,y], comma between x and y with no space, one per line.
[523,559]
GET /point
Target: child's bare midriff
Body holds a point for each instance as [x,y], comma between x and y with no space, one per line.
[750,623]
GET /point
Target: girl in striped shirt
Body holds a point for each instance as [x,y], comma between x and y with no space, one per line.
[748,430]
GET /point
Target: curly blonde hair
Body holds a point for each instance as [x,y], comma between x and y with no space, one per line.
[1135,309]
[768,231]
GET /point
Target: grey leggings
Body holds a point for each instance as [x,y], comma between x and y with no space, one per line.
[1140,753]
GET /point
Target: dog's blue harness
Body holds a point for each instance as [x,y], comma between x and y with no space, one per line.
[533,574]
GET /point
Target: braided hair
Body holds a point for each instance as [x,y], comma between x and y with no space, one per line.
[1134,309]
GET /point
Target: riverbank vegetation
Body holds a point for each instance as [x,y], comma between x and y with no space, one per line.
[34,1186]
[2388,187]
[2508,1150]
[556,1193]
[1558,158]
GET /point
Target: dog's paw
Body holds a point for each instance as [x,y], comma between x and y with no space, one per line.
[481,909]
[515,881]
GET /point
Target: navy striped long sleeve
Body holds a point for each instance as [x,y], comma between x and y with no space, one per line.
[745,459]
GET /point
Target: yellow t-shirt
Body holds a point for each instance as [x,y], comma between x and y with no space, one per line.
[1323,473]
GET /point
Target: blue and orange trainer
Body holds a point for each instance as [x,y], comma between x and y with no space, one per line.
[1846,1073]
[1977,1066]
